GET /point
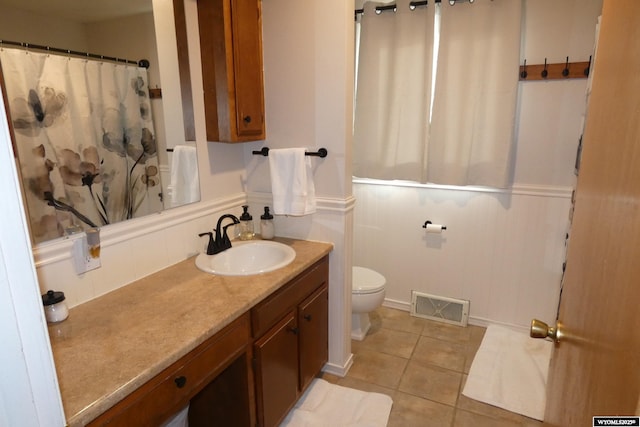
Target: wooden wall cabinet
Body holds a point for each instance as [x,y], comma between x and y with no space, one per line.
[291,327]
[221,362]
[232,70]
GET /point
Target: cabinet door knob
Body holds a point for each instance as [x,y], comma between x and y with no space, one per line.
[247,119]
[294,331]
[307,317]
[181,381]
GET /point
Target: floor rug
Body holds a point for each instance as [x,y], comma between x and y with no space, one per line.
[510,371]
[329,405]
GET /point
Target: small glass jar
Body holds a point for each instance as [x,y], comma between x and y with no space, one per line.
[55,309]
[267,230]
[246,224]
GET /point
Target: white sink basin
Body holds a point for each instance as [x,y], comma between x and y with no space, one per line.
[246,258]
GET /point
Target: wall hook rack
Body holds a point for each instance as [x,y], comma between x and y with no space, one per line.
[322,152]
[556,71]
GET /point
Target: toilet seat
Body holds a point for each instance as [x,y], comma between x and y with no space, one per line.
[367,281]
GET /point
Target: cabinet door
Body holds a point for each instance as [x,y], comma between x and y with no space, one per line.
[276,375]
[313,322]
[232,75]
[247,56]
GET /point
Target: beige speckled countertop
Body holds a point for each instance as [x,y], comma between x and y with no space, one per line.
[112,345]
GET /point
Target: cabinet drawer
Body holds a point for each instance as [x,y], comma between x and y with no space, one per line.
[171,390]
[269,311]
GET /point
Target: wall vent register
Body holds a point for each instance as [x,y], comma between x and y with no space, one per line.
[441,309]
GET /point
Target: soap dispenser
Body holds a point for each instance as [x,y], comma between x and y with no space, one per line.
[267,230]
[246,224]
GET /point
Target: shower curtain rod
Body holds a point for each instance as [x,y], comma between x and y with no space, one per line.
[141,63]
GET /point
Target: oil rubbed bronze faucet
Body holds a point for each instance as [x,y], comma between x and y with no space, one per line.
[221,241]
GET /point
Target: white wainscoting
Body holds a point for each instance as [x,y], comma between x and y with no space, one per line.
[503,249]
[131,250]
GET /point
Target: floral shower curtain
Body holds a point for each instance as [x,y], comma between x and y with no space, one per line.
[85,141]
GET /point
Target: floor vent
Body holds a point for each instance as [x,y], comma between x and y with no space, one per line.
[441,309]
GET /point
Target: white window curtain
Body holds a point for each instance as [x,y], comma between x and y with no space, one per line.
[391,128]
[470,136]
[472,126]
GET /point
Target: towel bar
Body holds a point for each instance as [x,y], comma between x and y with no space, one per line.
[322,152]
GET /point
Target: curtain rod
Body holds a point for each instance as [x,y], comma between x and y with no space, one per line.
[412,6]
[380,9]
[141,63]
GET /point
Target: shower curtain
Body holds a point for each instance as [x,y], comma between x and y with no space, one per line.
[85,140]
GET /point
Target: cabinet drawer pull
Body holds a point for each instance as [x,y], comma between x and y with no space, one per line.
[307,317]
[294,331]
[247,119]
[181,381]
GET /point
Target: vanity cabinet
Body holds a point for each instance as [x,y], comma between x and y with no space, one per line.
[215,379]
[232,70]
[291,346]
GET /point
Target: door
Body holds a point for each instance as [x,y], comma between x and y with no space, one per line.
[595,368]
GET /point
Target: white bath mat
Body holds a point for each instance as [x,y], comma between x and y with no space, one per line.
[510,371]
[329,405]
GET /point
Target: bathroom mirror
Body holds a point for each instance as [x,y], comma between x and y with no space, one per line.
[88,124]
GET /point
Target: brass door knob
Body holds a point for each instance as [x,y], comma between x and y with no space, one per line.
[539,329]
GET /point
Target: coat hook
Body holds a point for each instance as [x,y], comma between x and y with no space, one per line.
[544,72]
[523,73]
[565,72]
[586,70]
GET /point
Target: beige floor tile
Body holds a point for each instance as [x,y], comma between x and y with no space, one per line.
[399,320]
[445,354]
[365,386]
[378,368]
[470,419]
[431,382]
[422,365]
[396,343]
[447,332]
[409,411]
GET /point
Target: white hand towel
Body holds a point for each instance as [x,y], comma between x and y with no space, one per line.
[292,182]
[185,184]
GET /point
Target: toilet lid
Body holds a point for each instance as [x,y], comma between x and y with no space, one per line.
[367,281]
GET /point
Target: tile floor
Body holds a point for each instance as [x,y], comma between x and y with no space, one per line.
[423,365]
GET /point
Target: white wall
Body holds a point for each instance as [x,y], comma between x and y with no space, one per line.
[503,251]
[308,69]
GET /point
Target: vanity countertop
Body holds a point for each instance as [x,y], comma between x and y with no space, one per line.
[110,346]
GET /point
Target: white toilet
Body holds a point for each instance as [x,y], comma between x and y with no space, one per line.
[367,294]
